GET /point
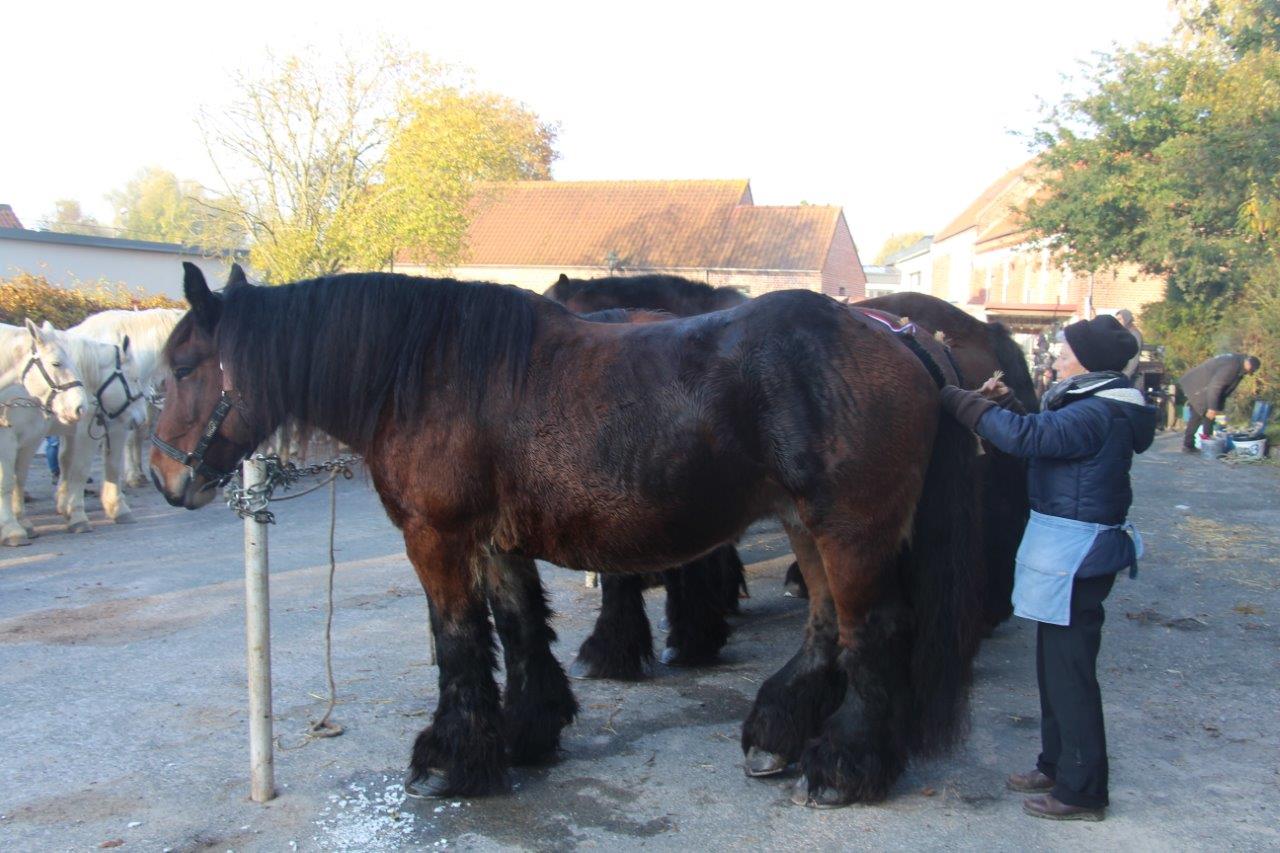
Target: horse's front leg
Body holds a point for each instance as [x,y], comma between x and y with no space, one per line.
[134,475]
[75,452]
[538,702]
[26,453]
[621,643]
[113,502]
[11,531]
[463,751]
[793,703]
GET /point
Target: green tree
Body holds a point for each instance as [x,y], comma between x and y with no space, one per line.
[335,166]
[1170,158]
[155,205]
[69,218]
[896,243]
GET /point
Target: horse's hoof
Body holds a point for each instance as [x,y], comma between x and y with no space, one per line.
[125,518]
[32,533]
[429,787]
[16,540]
[79,527]
[760,763]
[821,797]
[581,670]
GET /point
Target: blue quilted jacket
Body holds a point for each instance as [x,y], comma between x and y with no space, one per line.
[1079,456]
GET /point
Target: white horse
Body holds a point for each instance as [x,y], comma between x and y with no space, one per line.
[37,375]
[147,332]
[116,405]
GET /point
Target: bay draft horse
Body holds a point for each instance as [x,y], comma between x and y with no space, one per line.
[700,593]
[498,427]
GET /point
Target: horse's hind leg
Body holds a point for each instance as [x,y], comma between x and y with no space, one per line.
[538,702]
[862,746]
[621,643]
[463,751]
[696,609]
[793,703]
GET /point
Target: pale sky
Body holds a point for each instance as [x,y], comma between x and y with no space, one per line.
[900,112]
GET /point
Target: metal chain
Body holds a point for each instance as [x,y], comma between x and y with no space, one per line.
[20,403]
[253,502]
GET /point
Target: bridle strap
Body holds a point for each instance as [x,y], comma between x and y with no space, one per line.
[195,459]
[129,396]
[54,388]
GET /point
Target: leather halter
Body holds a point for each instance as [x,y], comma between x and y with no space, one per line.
[195,459]
[54,388]
[129,396]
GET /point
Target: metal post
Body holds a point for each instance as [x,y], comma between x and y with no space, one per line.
[258,646]
[590,580]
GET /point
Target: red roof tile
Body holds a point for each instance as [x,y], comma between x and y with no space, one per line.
[8,219]
[645,225]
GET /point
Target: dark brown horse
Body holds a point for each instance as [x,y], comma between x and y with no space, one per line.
[499,427]
[681,297]
[701,594]
[979,350]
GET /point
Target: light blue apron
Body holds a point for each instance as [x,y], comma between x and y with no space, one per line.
[1051,552]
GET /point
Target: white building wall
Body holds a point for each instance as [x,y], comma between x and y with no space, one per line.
[155,272]
[916,273]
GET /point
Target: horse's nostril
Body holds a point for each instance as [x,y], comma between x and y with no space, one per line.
[79,411]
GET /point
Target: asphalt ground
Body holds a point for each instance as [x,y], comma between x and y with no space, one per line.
[124,708]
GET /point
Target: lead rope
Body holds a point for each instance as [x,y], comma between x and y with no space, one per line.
[322,727]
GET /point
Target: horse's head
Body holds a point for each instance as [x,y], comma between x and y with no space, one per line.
[50,375]
[201,434]
[112,376]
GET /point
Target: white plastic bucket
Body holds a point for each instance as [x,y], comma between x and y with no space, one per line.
[1253,449]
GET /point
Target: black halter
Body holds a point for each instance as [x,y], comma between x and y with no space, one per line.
[195,459]
[129,396]
[54,388]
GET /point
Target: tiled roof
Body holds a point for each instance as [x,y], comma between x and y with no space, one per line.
[993,212]
[8,219]
[778,238]
[645,225]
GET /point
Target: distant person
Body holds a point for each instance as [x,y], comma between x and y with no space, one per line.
[1044,381]
[1125,316]
[51,444]
[1207,387]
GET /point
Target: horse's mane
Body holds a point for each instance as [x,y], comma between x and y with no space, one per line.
[632,287]
[340,352]
[1014,363]
[147,329]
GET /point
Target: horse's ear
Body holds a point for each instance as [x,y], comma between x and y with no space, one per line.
[204,305]
[46,326]
[562,279]
[124,345]
[235,278]
[34,330]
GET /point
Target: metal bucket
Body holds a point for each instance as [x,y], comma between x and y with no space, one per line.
[1212,448]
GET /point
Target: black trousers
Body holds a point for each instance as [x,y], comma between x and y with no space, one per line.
[1073,740]
[1193,424]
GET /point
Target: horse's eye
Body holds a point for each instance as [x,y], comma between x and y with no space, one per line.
[181,373]
[57,364]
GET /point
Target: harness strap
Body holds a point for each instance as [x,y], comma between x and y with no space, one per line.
[54,388]
[195,459]
[129,396]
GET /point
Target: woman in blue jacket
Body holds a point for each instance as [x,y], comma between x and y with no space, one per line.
[1079,446]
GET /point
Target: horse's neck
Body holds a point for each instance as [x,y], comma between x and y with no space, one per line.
[15,347]
[147,330]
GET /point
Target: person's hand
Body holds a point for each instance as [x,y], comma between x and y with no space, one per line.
[1211,415]
[993,389]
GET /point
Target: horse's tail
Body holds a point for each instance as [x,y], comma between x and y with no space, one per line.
[1014,364]
[1005,504]
[944,579]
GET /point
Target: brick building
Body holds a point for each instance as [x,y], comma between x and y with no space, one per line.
[984,261]
[529,232]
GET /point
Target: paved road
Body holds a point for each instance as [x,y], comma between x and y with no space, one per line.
[122,684]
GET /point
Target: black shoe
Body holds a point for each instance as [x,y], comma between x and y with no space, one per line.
[1189,450]
[1033,782]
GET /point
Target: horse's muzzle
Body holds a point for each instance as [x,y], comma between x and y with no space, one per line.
[185,490]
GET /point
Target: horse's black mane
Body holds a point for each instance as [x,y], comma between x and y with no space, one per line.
[632,287]
[336,352]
